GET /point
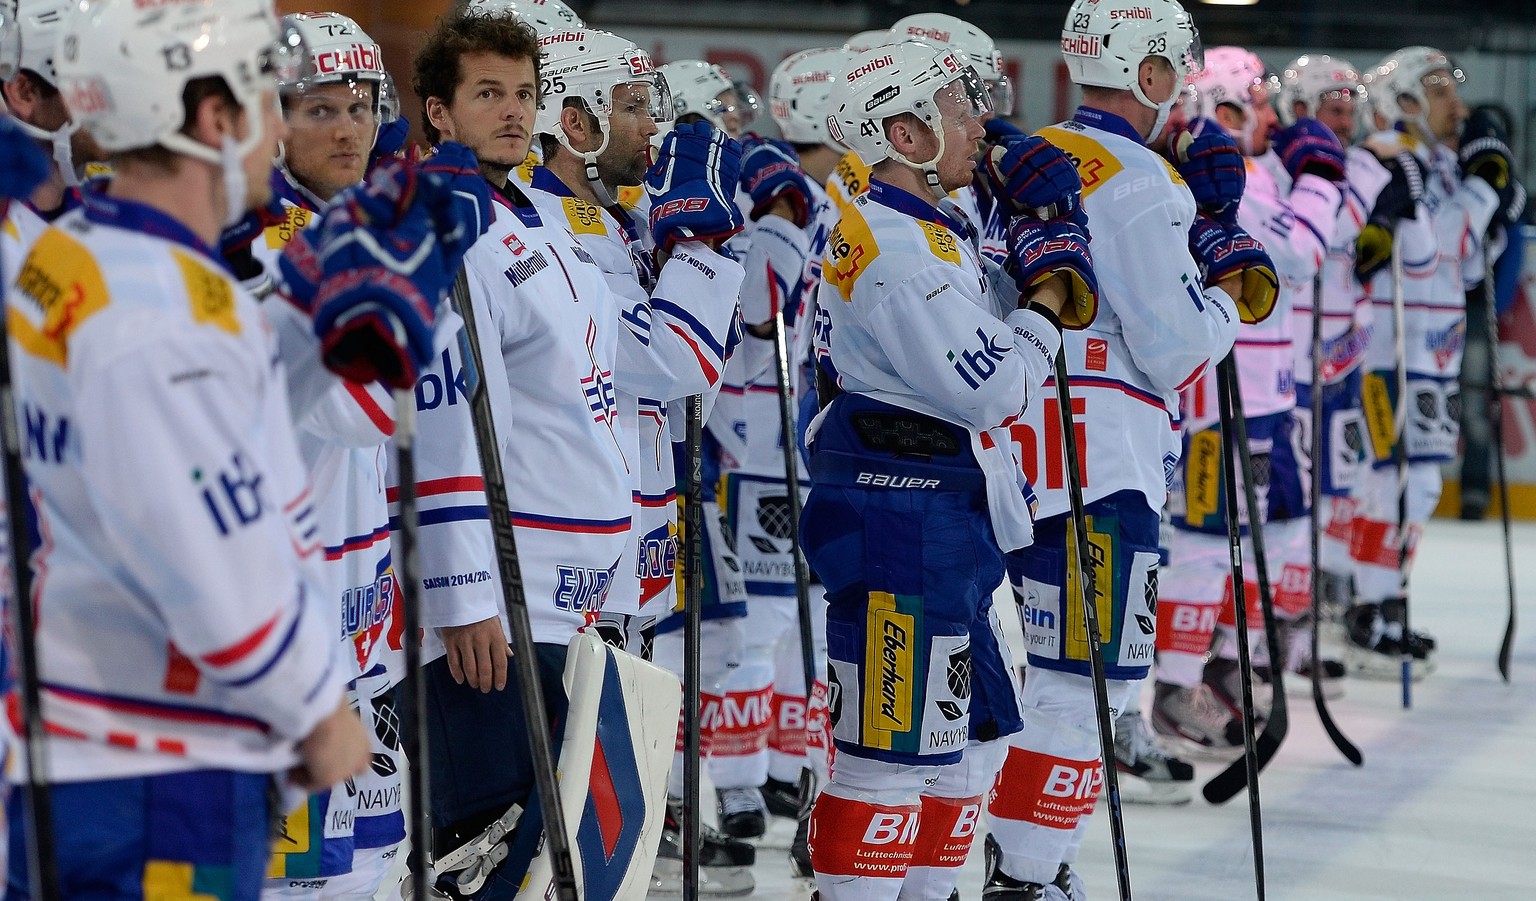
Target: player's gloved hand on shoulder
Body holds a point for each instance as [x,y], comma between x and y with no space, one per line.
[1208,160]
[1034,176]
[371,277]
[1399,199]
[770,173]
[458,197]
[692,186]
[22,165]
[1310,148]
[1223,249]
[1040,249]
[1001,131]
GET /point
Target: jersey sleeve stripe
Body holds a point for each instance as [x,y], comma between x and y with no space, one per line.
[671,309]
[375,413]
[447,485]
[569,524]
[242,648]
[156,709]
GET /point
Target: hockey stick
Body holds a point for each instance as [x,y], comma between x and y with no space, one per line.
[1227,783]
[693,624]
[1085,575]
[1345,746]
[1400,452]
[412,698]
[791,444]
[1496,420]
[1226,388]
[42,862]
[523,653]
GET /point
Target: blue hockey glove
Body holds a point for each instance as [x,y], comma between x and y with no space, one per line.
[1310,148]
[1032,175]
[771,172]
[1039,249]
[1001,131]
[459,200]
[22,166]
[375,272]
[1223,249]
[390,141]
[1210,163]
[692,186]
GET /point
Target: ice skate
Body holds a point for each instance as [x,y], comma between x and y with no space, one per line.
[742,813]
[1224,679]
[725,863]
[1002,887]
[1148,774]
[782,799]
[1375,645]
[1196,722]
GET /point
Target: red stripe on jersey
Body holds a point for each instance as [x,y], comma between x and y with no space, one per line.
[704,364]
[447,485]
[371,408]
[294,504]
[244,647]
[181,673]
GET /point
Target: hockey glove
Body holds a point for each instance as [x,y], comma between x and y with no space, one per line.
[1033,176]
[1038,250]
[22,166]
[770,172]
[1485,153]
[459,199]
[383,274]
[1310,148]
[1398,200]
[390,141]
[1001,131]
[1223,249]
[692,186]
[1210,163]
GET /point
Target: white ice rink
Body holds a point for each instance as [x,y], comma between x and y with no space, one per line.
[1444,807]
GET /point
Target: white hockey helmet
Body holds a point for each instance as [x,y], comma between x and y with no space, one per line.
[1402,74]
[586,65]
[545,16]
[868,40]
[10,42]
[1233,77]
[1313,78]
[900,78]
[798,91]
[40,22]
[341,52]
[697,87]
[1104,42]
[970,42]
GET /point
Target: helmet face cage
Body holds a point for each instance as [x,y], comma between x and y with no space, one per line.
[748,103]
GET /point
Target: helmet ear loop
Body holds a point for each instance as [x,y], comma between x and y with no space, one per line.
[929,169]
[600,190]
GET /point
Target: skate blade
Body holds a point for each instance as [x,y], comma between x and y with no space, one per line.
[1383,667]
[1134,790]
[714,882]
[1183,748]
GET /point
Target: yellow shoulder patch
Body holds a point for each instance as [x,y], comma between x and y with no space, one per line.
[630,196]
[211,294]
[852,175]
[524,170]
[1172,172]
[65,283]
[585,218]
[850,249]
[280,234]
[1095,164]
[942,242]
[8,226]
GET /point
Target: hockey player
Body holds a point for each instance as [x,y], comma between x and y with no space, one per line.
[32,97]
[341,842]
[1415,91]
[1290,204]
[1171,307]
[596,123]
[1330,90]
[173,507]
[916,491]
[703,89]
[550,329]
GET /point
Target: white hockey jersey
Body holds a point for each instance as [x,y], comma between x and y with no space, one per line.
[675,324]
[1346,309]
[1295,223]
[1442,257]
[1156,331]
[183,622]
[918,320]
[549,333]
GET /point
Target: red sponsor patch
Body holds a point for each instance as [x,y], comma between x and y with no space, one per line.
[1045,790]
[1098,355]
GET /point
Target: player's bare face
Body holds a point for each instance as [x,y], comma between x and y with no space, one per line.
[331,128]
[1446,109]
[1339,115]
[1264,120]
[492,110]
[963,131]
[732,117]
[631,127]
